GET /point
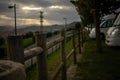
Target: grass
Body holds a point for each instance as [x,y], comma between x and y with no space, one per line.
[53,62]
[27,42]
[98,66]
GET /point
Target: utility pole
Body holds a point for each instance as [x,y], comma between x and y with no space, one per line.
[41,21]
[65,22]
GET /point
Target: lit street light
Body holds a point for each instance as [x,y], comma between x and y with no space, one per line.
[14,6]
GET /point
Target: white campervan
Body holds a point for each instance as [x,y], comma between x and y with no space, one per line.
[113,33]
[107,21]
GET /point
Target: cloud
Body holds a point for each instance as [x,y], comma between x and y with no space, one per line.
[28,11]
[42,3]
[5,17]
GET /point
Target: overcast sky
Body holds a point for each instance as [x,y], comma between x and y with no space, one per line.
[28,12]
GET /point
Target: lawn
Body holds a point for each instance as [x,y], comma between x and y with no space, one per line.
[98,66]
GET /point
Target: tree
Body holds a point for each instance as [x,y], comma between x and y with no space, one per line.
[83,8]
[98,8]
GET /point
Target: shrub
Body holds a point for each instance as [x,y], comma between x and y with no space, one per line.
[2,41]
[3,52]
[49,34]
[28,34]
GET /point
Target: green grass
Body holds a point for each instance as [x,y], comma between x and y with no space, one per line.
[27,42]
[98,66]
[53,62]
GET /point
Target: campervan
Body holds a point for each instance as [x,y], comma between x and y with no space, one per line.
[113,33]
[107,21]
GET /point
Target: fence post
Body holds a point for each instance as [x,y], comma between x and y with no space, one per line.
[79,40]
[15,48]
[63,55]
[42,58]
[73,43]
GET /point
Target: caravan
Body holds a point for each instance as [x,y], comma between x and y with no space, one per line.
[107,21]
[113,33]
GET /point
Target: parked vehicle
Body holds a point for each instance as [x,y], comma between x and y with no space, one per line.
[107,21]
[113,33]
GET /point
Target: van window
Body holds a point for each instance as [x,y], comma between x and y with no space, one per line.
[117,21]
[109,23]
[106,24]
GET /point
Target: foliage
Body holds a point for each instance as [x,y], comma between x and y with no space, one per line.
[83,7]
[106,6]
[28,34]
[86,8]
[2,41]
[3,52]
[49,34]
[77,25]
[56,32]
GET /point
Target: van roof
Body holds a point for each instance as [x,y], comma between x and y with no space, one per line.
[110,16]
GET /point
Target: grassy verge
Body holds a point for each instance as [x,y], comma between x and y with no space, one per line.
[98,66]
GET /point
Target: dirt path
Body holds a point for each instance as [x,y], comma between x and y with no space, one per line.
[72,69]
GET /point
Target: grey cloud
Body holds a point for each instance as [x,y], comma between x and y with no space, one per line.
[42,3]
[60,2]
[4,6]
[52,14]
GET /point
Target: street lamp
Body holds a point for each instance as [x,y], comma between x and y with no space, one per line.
[65,22]
[14,6]
[41,21]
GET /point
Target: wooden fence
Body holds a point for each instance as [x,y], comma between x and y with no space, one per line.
[16,52]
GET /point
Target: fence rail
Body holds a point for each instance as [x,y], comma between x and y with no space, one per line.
[28,54]
[17,53]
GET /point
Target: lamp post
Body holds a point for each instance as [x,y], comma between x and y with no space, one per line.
[65,22]
[14,6]
[41,21]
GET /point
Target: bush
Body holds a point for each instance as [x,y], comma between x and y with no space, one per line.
[28,34]
[3,52]
[49,34]
[2,41]
[56,32]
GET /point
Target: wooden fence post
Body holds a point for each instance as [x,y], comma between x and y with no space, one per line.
[74,47]
[42,58]
[15,48]
[79,41]
[63,55]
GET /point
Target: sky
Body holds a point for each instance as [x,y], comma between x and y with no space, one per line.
[28,12]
